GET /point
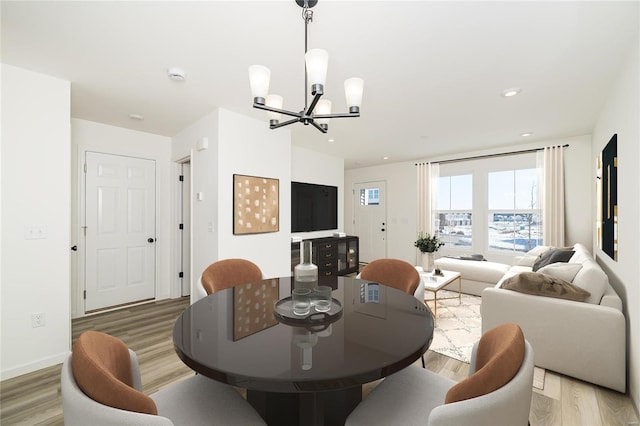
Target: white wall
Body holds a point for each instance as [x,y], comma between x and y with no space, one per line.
[237,145]
[402,201]
[620,115]
[401,205]
[97,137]
[36,146]
[314,167]
[248,147]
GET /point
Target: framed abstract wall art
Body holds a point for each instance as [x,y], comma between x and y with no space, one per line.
[607,198]
[255,205]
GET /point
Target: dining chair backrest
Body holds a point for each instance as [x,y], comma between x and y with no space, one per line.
[497,359]
[228,273]
[102,369]
[393,273]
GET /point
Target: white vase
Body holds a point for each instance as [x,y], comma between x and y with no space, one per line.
[428,259]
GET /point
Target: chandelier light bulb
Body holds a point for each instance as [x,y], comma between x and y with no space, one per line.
[317,62]
[353,89]
[323,107]
[274,101]
[259,77]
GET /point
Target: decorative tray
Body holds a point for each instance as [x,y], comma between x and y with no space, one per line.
[283,311]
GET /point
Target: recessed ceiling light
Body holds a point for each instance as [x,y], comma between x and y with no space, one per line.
[526,134]
[331,140]
[385,158]
[176,74]
[136,117]
[511,92]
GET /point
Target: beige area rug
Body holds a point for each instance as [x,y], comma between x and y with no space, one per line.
[459,327]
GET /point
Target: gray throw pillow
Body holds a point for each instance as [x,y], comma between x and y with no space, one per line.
[552,256]
[545,285]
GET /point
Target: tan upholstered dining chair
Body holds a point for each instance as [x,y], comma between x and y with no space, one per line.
[497,392]
[394,273]
[227,273]
[101,385]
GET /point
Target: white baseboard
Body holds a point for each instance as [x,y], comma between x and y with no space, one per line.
[33,366]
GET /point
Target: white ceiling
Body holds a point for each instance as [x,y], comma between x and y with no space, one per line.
[433,71]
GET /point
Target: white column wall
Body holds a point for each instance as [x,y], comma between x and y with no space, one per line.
[620,115]
[36,146]
[247,146]
[204,180]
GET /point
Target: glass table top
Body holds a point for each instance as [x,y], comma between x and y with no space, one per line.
[233,336]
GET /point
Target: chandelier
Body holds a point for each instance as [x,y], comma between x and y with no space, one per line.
[318,112]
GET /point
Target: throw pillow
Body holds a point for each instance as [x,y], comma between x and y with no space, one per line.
[545,285]
[564,271]
[552,256]
[537,250]
[525,260]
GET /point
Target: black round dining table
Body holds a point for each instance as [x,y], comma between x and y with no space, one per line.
[303,370]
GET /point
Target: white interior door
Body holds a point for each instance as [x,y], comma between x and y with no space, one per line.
[120,210]
[186,229]
[370,216]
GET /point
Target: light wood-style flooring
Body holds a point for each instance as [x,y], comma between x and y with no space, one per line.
[34,399]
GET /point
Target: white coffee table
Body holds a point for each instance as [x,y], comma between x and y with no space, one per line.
[436,283]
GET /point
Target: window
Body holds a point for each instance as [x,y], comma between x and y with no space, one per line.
[515,214]
[454,210]
[370,197]
[489,206]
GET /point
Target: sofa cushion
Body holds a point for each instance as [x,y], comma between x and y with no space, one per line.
[592,279]
[552,256]
[564,271]
[545,285]
[489,272]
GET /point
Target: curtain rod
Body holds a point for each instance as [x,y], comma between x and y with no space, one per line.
[476,157]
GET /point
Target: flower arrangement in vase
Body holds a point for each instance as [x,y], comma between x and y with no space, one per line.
[428,245]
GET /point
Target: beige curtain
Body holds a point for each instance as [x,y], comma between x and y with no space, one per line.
[427,177]
[553,197]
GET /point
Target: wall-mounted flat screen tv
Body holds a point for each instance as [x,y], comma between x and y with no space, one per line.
[313,207]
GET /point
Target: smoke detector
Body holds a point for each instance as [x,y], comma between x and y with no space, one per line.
[176,74]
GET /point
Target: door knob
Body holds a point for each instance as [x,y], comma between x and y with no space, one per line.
[74,248]
[150,240]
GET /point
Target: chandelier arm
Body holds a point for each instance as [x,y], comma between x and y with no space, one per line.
[317,126]
[316,98]
[284,123]
[337,115]
[278,110]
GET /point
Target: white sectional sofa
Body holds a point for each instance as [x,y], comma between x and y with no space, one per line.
[585,340]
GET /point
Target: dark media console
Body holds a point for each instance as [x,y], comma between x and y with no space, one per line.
[334,256]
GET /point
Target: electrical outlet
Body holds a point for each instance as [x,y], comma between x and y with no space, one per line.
[37,320]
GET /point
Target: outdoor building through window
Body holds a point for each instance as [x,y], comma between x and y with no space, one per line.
[370,197]
[514,215]
[454,212]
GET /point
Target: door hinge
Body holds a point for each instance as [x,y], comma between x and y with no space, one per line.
[180,274]
[181,178]
[84,294]
[181,226]
[85,167]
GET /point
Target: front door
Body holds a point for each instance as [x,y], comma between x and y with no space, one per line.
[120,210]
[370,216]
